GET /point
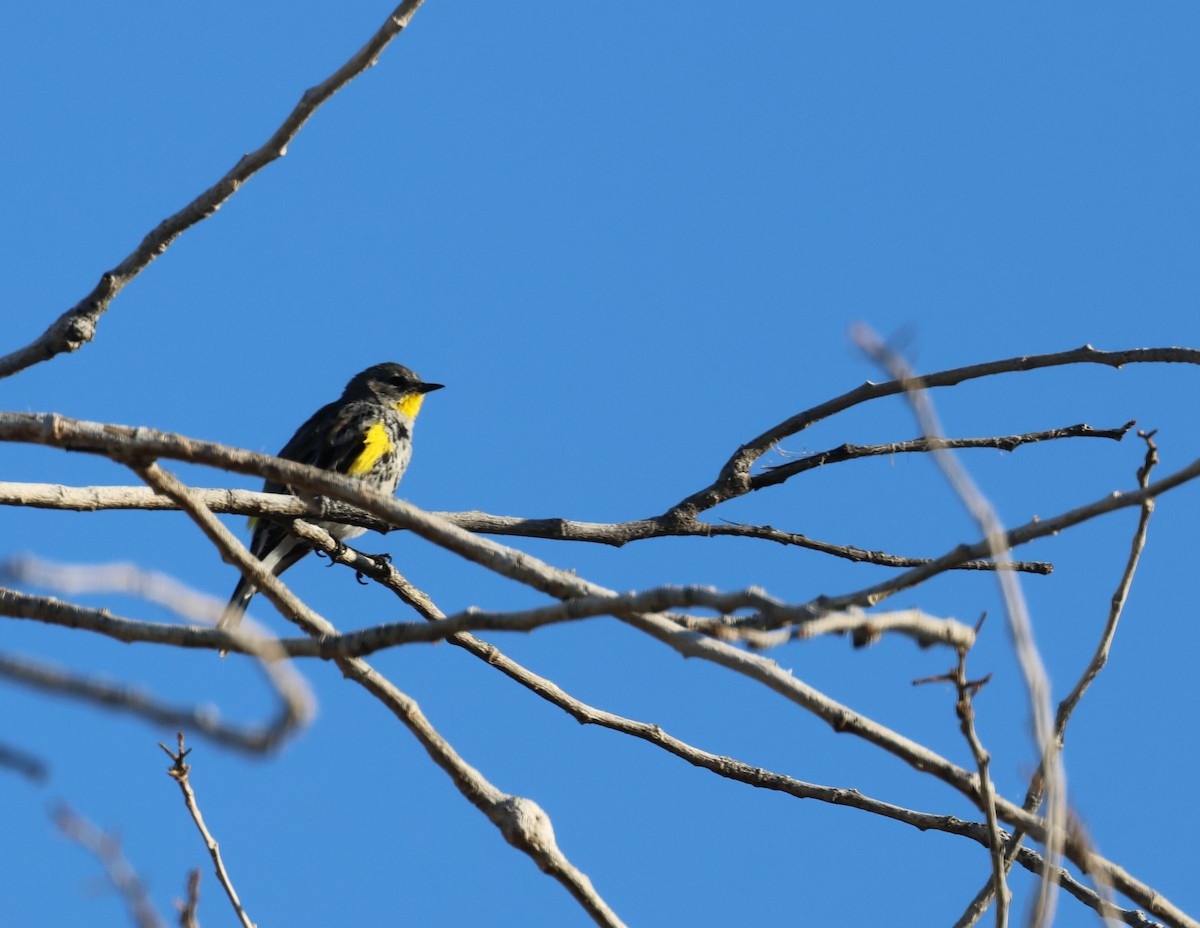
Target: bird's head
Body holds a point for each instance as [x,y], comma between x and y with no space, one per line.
[393,384]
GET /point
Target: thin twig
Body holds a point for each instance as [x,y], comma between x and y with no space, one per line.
[77,326]
[779,473]
[964,707]
[178,771]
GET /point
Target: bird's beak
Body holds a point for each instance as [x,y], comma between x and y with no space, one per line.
[430,387]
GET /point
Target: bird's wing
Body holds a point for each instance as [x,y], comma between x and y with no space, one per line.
[332,438]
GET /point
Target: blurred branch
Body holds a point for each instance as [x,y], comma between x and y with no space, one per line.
[202,719]
[1020,626]
[77,326]
[178,771]
[24,763]
[189,908]
[107,850]
[295,697]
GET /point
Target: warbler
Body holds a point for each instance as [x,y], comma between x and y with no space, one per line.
[367,434]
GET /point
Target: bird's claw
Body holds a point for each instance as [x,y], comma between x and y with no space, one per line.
[379,562]
[337,554]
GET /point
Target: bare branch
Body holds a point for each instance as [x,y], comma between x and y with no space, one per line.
[965,709]
[846,552]
[1033,797]
[24,763]
[779,473]
[77,326]
[178,771]
[1022,534]
[1119,598]
[617,534]
[115,441]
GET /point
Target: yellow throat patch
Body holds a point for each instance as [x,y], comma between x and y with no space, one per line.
[411,405]
[376,444]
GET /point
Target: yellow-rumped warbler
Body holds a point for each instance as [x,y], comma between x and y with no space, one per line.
[366,434]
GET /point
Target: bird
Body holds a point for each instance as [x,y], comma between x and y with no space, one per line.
[367,434]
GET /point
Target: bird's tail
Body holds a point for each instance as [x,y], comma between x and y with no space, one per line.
[280,557]
[242,594]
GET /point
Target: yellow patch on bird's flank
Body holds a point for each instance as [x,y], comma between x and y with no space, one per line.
[376,444]
[411,405]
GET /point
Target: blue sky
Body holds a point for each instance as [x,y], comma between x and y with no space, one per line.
[627,240]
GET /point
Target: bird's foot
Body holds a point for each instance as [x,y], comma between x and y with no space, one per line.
[378,563]
[337,554]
